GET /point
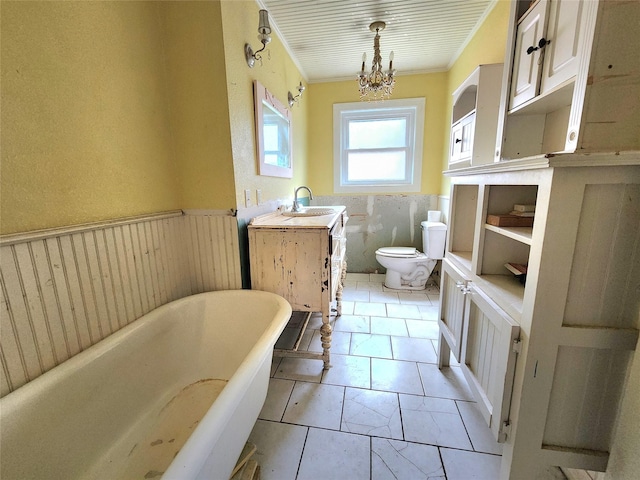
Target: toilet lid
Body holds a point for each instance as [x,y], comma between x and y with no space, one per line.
[398,251]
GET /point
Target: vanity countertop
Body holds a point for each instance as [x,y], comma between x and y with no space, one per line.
[278,220]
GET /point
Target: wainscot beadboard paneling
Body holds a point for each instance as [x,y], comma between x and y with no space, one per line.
[63,290]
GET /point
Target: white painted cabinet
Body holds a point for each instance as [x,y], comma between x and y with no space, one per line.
[491,342]
[451,320]
[553,397]
[303,259]
[547,49]
[571,67]
[474,117]
[525,79]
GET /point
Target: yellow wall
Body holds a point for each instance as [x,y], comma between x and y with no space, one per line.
[279,75]
[85,130]
[487,46]
[114,109]
[198,104]
[322,96]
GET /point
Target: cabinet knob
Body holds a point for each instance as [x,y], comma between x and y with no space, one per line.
[458,140]
[541,44]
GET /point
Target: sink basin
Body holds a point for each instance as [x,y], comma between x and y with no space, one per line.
[310,212]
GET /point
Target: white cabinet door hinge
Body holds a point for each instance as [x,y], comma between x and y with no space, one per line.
[505,431]
[517,346]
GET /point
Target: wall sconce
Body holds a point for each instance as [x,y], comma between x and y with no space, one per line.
[295,99]
[264,29]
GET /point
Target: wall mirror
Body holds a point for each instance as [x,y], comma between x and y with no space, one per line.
[273,134]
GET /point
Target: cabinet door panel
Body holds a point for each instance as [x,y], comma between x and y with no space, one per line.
[488,358]
[561,55]
[525,78]
[452,307]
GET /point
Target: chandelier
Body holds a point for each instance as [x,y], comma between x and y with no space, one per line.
[376,84]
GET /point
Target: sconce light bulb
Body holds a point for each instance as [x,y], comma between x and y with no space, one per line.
[391,56]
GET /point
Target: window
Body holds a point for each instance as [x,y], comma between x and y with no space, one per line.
[378,146]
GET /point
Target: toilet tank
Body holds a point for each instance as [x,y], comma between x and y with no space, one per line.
[433,238]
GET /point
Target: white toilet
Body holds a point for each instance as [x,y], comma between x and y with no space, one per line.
[409,269]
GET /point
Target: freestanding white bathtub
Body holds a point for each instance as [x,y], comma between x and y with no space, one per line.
[189,378]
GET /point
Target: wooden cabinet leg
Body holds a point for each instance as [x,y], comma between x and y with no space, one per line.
[444,352]
[325,339]
[343,276]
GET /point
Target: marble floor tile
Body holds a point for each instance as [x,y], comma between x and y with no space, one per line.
[396,460]
[423,329]
[352,323]
[335,455]
[304,369]
[389,326]
[376,309]
[428,312]
[403,311]
[413,349]
[277,399]
[372,287]
[340,342]
[413,298]
[279,448]
[351,295]
[377,277]
[372,413]
[446,383]
[348,371]
[347,307]
[315,405]
[358,277]
[383,297]
[434,298]
[435,421]
[461,465]
[395,376]
[481,436]
[368,345]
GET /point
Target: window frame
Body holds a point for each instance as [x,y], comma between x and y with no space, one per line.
[412,109]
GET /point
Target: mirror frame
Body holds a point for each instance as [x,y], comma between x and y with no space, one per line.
[261,97]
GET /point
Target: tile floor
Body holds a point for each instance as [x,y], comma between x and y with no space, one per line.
[384,410]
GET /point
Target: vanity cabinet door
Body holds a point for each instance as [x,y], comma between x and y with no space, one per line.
[489,351]
[525,78]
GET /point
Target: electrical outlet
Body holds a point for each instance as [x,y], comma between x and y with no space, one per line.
[247,198]
[258,197]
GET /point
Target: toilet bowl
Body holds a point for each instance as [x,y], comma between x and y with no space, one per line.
[408,268]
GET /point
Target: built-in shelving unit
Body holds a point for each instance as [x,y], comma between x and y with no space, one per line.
[474,117]
[567,142]
[572,306]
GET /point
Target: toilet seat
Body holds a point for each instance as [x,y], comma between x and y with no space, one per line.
[399,252]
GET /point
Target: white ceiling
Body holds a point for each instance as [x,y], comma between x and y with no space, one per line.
[327,38]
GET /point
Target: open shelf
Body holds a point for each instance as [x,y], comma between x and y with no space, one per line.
[520,234]
[506,291]
[463,259]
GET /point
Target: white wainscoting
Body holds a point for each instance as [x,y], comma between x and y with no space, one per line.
[63,290]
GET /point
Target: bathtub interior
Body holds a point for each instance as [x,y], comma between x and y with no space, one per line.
[70,421]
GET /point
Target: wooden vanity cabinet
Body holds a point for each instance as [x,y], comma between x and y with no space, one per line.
[302,259]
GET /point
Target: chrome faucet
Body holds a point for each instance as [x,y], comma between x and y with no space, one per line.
[296,205]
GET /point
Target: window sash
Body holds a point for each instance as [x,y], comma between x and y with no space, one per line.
[411,111]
